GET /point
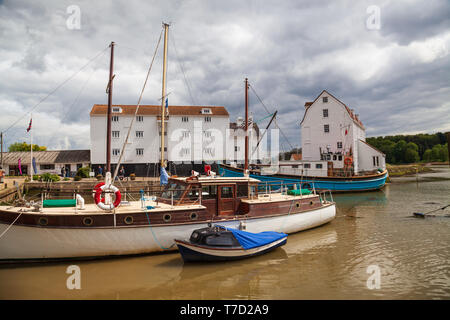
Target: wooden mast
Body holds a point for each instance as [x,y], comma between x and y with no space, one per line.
[108,123]
[163,94]
[246,128]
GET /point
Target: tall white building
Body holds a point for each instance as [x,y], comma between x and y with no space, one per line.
[193,135]
[332,131]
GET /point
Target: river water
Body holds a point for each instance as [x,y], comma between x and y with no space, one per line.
[374,249]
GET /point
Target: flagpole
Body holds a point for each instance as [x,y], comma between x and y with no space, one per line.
[31,151]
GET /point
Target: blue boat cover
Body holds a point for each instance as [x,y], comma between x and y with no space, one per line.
[250,240]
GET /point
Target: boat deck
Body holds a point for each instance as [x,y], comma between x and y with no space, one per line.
[274,197]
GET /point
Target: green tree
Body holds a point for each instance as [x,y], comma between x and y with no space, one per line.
[23,146]
[427,156]
[399,151]
[411,155]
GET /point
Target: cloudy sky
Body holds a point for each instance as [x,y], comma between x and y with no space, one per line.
[388,60]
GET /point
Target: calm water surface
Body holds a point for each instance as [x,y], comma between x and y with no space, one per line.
[329,262]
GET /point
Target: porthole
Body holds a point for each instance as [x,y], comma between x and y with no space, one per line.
[194,216]
[167,217]
[297,204]
[311,203]
[88,221]
[128,220]
[43,221]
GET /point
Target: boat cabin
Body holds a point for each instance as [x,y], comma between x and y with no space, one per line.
[220,195]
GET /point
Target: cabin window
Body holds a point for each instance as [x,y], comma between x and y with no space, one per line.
[226,192]
[325,113]
[326,128]
[209,192]
[318,166]
[115,134]
[242,190]
[175,189]
[307,165]
[324,99]
[339,145]
[47,166]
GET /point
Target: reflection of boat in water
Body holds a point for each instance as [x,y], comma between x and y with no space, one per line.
[375,197]
[217,243]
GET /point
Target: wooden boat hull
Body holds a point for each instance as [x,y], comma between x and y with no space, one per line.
[192,252]
[335,184]
[22,242]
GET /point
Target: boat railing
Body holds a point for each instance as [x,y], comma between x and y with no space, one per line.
[276,186]
[326,196]
[181,196]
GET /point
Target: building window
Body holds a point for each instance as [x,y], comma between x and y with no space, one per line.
[115,118]
[139,134]
[325,113]
[115,134]
[326,128]
[47,167]
[184,119]
[207,119]
[334,157]
[115,152]
[185,134]
[206,111]
[340,158]
[318,166]
[307,165]
[139,118]
[139,151]
[165,149]
[324,99]
[376,161]
[339,145]
[237,148]
[208,151]
[165,133]
[116,109]
[295,166]
[185,151]
[207,134]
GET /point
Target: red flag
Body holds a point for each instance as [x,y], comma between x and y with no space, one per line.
[345,131]
[29,126]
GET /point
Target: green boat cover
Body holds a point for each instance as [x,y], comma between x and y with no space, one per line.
[54,203]
[299,192]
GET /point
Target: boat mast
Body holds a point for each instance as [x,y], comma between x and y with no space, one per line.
[163,94]
[246,128]
[108,123]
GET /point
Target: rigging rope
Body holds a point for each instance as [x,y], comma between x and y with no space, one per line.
[275,121]
[137,109]
[54,90]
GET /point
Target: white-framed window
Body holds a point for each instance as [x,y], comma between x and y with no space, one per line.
[307,165]
[237,148]
[318,166]
[116,109]
[165,149]
[139,151]
[184,119]
[324,99]
[339,144]
[139,118]
[185,134]
[207,134]
[115,134]
[115,152]
[208,151]
[115,118]
[185,151]
[325,113]
[206,111]
[139,134]
[326,128]
[376,161]
[165,133]
[207,119]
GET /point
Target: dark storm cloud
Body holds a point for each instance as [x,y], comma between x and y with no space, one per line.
[396,77]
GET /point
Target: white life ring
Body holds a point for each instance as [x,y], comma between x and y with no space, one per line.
[98,197]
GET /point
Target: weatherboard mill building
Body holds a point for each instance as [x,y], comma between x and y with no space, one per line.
[332,132]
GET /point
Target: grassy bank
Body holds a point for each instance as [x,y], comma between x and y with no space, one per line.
[407,169]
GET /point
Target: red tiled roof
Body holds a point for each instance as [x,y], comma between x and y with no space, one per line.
[102,109]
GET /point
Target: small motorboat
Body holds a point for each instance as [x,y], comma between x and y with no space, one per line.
[219,243]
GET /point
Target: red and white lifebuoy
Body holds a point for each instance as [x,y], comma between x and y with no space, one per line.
[100,202]
[348,161]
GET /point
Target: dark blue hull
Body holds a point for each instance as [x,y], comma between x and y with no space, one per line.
[335,184]
[190,255]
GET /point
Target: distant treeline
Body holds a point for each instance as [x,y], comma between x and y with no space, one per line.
[412,148]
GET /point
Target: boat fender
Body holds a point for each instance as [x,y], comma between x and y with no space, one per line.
[80,201]
[100,202]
